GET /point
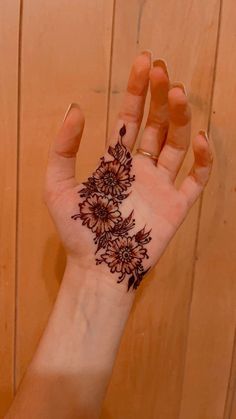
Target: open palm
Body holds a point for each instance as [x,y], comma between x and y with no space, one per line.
[120,220]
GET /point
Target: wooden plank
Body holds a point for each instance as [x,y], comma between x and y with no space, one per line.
[213,315]
[233,411]
[230,404]
[9,33]
[149,370]
[66,58]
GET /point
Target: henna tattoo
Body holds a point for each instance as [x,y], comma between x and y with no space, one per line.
[103,193]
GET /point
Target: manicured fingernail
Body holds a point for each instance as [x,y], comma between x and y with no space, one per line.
[180,85]
[161,63]
[204,134]
[72,105]
[147,52]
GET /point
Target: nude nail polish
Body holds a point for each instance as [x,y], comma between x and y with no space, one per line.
[160,62]
[180,85]
[204,134]
[72,105]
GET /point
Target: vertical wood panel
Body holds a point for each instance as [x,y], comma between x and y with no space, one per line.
[233,409]
[230,404]
[149,370]
[9,32]
[213,316]
[65,58]
[66,55]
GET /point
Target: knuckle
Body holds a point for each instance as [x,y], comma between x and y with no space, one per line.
[157,123]
[130,115]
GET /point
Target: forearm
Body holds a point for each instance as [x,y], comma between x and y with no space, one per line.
[71,369]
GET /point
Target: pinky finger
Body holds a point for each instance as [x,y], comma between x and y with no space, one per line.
[198,177]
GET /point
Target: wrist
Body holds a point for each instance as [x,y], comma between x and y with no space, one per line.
[80,343]
[97,280]
[91,312]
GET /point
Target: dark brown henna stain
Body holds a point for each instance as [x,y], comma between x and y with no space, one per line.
[103,192]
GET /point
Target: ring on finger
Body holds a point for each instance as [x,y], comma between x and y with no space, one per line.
[147,154]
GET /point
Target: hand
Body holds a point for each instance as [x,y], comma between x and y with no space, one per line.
[121,219]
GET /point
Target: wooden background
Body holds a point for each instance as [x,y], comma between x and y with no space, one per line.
[177,358]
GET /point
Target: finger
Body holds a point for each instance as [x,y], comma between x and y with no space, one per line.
[131,112]
[156,128]
[62,154]
[197,179]
[178,137]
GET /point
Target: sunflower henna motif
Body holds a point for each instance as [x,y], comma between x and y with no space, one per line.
[124,255]
[103,192]
[99,213]
[112,178]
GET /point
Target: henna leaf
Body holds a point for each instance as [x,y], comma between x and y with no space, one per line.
[122,131]
[131,281]
[117,152]
[128,161]
[102,242]
[140,278]
[124,226]
[127,221]
[146,271]
[142,237]
[122,196]
[111,151]
[90,187]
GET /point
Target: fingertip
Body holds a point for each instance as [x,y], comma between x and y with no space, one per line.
[158,78]
[180,86]
[177,96]
[68,138]
[147,53]
[73,116]
[204,134]
[202,149]
[139,75]
[180,110]
[142,63]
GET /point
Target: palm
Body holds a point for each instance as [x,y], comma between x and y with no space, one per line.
[134,211]
[157,199]
[129,208]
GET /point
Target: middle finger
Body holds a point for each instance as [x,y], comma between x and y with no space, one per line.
[156,128]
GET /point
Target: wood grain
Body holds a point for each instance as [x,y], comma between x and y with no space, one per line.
[233,405]
[149,370]
[9,34]
[230,403]
[61,63]
[213,311]
[177,358]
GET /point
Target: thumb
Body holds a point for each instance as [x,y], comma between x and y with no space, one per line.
[62,155]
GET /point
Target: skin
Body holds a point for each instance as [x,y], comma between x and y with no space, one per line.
[71,369]
[156,201]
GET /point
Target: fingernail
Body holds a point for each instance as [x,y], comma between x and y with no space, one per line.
[147,52]
[204,134]
[72,105]
[161,63]
[180,85]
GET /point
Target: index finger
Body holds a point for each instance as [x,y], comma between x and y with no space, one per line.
[131,112]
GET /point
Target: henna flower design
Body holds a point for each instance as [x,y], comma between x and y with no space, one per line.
[103,192]
[99,213]
[124,255]
[112,178]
